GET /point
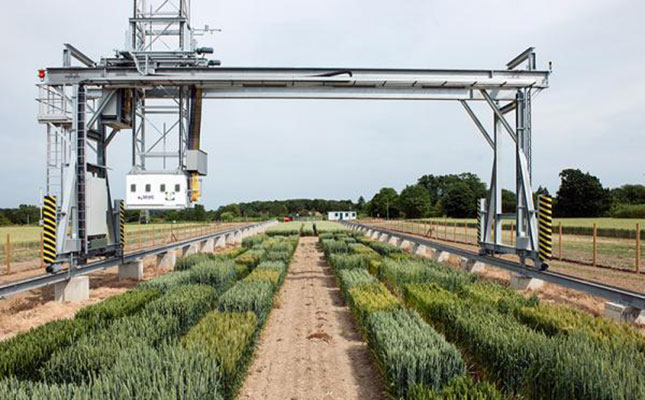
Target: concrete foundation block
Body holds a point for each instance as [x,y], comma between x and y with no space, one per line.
[230,238]
[167,260]
[406,245]
[523,282]
[189,249]
[238,237]
[432,253]
[375,235]
[621,313]
[421,250]
[74,290]
[368,233]
[394,241]
[472,265]
[443,256]
[131,270]
[220,242]
[208,246]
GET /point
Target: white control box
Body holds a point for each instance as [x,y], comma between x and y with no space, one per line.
[157,192]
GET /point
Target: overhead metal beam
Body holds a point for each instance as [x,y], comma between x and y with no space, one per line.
[526,55]
[282,79]
[80,56]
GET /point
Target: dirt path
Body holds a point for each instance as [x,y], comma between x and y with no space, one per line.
[310,348]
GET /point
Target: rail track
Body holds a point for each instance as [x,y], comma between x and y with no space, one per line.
[611,293]
[66,274]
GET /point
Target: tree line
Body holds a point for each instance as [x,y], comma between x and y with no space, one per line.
[23,215]
[580,195]
[456,195]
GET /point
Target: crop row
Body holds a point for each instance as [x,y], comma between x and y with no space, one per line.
[415,360]
[187,334]
[307,228]
[529,349]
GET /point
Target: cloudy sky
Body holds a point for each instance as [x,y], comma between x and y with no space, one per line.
[592,117]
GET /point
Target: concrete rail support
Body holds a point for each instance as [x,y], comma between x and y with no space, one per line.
[131,270]
[523,282]
[208,246]
[422,251]
[406,246]
[190,249]
[471,265]
[375,235]
[220,242]
[167,260]
[384,238]
[442,257]
[237,237]
[230,239]
[76,289]
[621,313]
[394,240]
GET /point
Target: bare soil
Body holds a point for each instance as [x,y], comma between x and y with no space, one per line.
[310,348]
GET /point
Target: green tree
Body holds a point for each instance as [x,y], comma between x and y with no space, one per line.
[234,209]
[227,216]
[360,204]
[439,186]
[278,209]
[629,194]
[414,201]
[581,195]
[4,221]
[459,201]
[509,201]
[385,203]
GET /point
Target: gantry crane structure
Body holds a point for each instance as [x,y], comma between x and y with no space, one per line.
[154,89]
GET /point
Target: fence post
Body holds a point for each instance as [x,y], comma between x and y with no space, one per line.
[454,231]
[512,233]
[7,253]
[153,235]
[595,244]
[465,232]
[638,248]
[445,229]
[560,240]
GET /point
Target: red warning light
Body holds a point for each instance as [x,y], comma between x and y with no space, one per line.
[41,74]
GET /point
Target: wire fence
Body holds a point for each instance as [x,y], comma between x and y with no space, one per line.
[15,250]
[623,253]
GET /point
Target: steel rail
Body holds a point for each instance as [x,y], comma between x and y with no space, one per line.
[611,293]
[61,276]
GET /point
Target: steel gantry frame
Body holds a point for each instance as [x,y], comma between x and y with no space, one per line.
[91,103]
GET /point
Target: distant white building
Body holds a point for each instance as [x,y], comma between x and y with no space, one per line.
[341,215]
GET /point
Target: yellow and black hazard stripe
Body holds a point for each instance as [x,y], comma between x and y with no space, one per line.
[49,229]
[122,223]
[545,227]
[479,225]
